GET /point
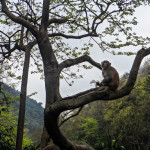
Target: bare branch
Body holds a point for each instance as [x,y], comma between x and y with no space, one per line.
[4,33]
[28,3]
[72,36]
[70,62]
[75,114]
[87,19]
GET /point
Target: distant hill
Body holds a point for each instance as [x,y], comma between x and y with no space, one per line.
[34,112]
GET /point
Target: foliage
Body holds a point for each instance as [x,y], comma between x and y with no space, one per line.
[34,111]
[113,145]
[85,130]
[7,131]
[8,122]
[30,147]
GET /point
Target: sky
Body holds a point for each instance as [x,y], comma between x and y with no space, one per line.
[121,63]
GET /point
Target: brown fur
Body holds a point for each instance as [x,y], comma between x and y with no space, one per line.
[111,76]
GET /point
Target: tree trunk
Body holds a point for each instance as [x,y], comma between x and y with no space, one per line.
[51,73]
[45,138]
[21,118]
[51,123]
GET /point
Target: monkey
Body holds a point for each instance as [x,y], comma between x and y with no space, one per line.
[111,76]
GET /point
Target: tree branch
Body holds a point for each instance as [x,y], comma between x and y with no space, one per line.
[9,51]
[73,115]
[18,19]
[45,14]
[70,62]
[16,47]
[72,36]
[56,20]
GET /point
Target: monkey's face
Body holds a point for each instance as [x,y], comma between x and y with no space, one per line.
[105,64]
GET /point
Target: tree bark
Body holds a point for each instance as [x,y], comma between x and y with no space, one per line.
[52,74]
[45,138]
[21,117]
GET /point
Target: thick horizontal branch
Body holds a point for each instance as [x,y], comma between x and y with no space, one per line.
[71,62]
[18,19]
[56,20]
[72,36]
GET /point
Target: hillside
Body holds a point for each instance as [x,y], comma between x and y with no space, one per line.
[33,116]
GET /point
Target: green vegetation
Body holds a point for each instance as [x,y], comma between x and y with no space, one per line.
[113,125]
[119,124]
[9,104]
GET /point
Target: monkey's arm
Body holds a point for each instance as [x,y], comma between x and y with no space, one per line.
[105,81]
[108,76]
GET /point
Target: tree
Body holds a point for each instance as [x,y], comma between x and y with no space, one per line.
[63,19]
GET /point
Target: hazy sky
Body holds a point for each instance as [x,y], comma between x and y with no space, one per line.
[121,63]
